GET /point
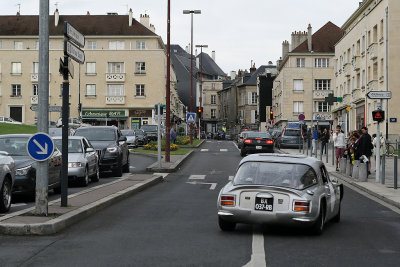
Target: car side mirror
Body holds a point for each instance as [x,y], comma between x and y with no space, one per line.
[89,149]
[122,138]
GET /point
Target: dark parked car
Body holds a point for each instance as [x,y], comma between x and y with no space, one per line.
[141,137]
[241,137]
[257,142]
[290,137]
[151,131]
[25,174]
[110,145]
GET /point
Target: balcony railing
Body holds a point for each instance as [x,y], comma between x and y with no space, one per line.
[321,116]
[35,77]
[356,95]
[373,51]
[373,85]
[115,77]
[322,93]
[115,100]
[34,100]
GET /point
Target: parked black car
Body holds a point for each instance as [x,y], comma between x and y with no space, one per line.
[142,137]
[151,131]
[291,138]
[110,145]
[257,142]
[25,174]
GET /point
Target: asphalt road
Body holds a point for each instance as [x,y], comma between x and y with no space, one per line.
[175,224]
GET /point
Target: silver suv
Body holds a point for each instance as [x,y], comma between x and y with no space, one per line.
[7,177]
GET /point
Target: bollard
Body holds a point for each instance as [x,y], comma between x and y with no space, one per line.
[304,142]
[383,168]
[320,155]
[327,153]
[354,171]
[395,172]
[308,143]
[363,172]
[333,154]
[299,146]
[342,165]
[348,167]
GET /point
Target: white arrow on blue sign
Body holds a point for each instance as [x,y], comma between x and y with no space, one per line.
[190,117]
[40,146]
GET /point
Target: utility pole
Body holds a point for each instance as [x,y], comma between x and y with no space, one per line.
[42,172]
[168,86]
[201,85]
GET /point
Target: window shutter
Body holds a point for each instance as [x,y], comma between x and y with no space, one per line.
[249,98]
[253,116]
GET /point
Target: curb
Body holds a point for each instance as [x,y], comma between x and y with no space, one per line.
[154,167]
[60,223]
[145,154]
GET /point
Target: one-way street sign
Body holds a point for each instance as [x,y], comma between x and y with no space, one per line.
[379,94]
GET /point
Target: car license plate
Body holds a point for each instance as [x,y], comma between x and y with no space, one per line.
[265,204]
[258,147]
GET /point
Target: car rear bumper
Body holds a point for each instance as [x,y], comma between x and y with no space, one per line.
[253,149]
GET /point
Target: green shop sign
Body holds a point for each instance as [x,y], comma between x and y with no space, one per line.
[104,113]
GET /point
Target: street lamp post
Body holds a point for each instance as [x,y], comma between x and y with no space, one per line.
[201,84]
[191,12]
[168,87]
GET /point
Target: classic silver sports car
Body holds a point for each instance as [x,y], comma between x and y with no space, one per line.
[7,177]
[280,189]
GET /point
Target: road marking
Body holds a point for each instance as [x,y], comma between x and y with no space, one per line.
[212,185]
[208,141]
[161,173]
[19,204]
[197,177]
[223,150]
[230,178]
[258,250]
[204,150]
[235,145]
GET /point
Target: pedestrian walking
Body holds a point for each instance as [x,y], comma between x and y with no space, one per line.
[339,144]
[364,147]
[325,140]
[314,138]
[382,146]
[172,135]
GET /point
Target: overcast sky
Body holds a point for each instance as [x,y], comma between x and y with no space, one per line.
[238,30]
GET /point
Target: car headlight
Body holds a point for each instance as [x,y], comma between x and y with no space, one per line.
[22,171]
[74,164]
[111,149]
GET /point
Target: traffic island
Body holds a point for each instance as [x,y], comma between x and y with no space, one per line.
[80,206]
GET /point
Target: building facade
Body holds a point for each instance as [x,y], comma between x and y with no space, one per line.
[123,77]
[361,58]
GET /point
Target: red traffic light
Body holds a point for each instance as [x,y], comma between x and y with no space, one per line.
[200,110]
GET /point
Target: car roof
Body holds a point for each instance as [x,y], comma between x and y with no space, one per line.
[98,127]
[15,135]
[69,137]
[283,158]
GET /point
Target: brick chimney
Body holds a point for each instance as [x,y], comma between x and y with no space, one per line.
[298,38]
[253,68]
[309,38]
[285,48]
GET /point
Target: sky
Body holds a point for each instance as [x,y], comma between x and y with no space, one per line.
[239,31]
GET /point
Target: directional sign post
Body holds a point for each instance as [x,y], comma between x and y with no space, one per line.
[40,147]
[190,117]
[379,94]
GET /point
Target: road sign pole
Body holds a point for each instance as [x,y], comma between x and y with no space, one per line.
[378,152]
[159,135]
[42,173]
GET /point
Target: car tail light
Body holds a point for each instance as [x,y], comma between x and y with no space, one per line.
[270,142]
[227,200]
[248,141]
[259,139]
[301,205]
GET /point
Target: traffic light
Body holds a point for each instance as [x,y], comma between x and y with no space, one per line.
[378,115]
[271,115]
[200,111]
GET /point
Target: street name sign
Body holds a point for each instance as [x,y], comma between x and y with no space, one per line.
[393,119]
[190,117]
[74,52]
[51,108]
[40,147]
[75,36]
[379,94]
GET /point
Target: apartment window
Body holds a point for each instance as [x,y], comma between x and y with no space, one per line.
[322,84]
[92,45]
[375,71]
[358,81]
[369,38]
[358,48]
[90,68]
[322,107]
[213,99]
[322,62]
[140,90]
[90,90]
[344,58]
[16,68]
[15,90]
[298,85]
[140,68]
[375,34]
[363,79]
[349,55]
[213,86]
[115,67]
[300,62]
[35,67]
[242,98]
[213,113]
[36,45]
[252,100]
[35,88]
[363,44]
[116,45]
[140,45]
[382,69]
[298,107]
[18,45]
[381,29]
[115,90]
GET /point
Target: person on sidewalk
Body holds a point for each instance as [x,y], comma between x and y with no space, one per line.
[325,140]
[339,144]
[364,147]
[172,135]
[314,140]
[382,146]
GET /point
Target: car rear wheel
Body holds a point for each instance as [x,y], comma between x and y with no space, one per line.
[336,219]
[318,226]
[96,176]
[85,178]
[225,225]
[5,202]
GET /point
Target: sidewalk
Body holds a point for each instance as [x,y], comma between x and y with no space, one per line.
[384,192]
[80,206]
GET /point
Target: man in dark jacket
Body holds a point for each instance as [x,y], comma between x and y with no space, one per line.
[365,146]
[325,140]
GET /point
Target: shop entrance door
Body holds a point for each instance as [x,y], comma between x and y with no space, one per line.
[135,123]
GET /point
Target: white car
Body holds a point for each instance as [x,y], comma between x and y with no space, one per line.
[9,120]
[7,177]
[72,123]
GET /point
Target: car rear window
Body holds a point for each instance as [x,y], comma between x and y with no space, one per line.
[15,146]
[295,176]
[292,132]
[151,128]
[74,145]
[94,134]
[258,135]
[127,132]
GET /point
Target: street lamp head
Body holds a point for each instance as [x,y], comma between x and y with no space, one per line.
[203,46]
[191,11]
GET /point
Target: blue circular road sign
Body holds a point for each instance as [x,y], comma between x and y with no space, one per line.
[301,117]
[40,146]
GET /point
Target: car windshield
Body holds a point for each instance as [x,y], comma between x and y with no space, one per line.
[74,145]
[296,176]
[139,133]
[291,132]
[149,128]
[55,131]
[93,134]
[15,146]
[258,135]
[127,132]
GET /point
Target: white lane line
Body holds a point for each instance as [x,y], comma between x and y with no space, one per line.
[18,204]
[161,173]
[234,143]
[208,141]
[204,150]
[258,251]
[223,150]
[197,177]
[212,185]
[230,178]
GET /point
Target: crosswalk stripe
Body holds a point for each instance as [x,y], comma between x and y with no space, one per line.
[223,150]
[197,177]
[204,150]
[19,204]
